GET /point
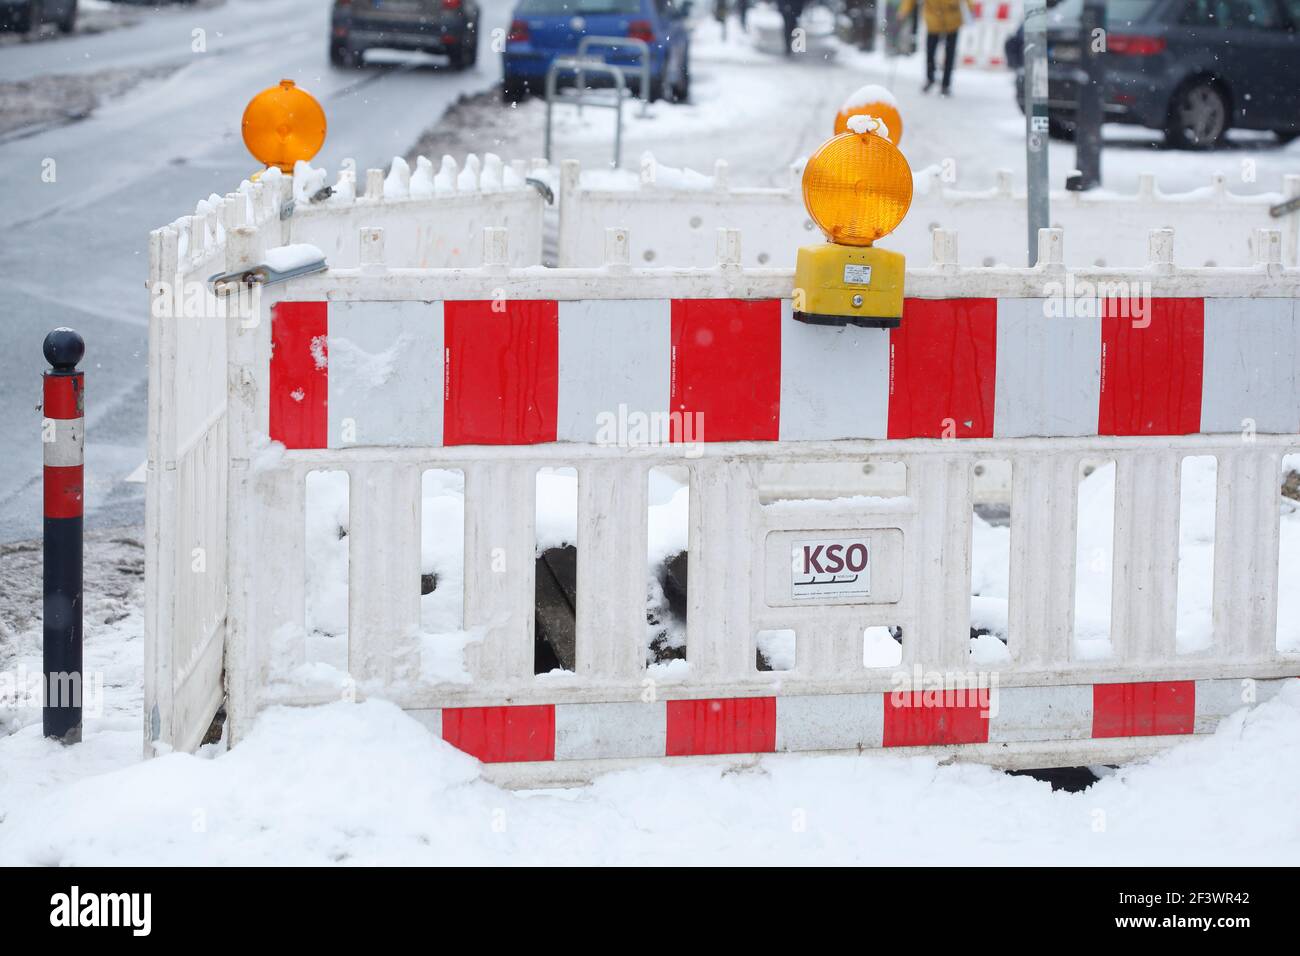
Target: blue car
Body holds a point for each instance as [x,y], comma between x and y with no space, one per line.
[544,29]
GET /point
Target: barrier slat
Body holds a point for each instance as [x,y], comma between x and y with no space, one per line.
[1041,594]
[1144,599]
[938,564]
[1246,554]
[384,566]
[612,520]
[721,579]
[499,569]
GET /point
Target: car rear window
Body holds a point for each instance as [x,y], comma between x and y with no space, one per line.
[577,7]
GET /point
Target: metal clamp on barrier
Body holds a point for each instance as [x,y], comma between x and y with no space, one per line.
[228,283]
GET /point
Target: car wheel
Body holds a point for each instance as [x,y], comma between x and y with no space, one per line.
[1198,116]
[1061,129]
[513,90]
[681,90]
[69,21]
[343,55]
[35,18]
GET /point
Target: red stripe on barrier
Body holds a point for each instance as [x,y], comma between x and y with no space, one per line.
[1144,710]
[299,395]
[726,370]
[942,369]
[64,396]
[1151,366]
[1004,11]
[500,734]
[730,725]
[911,722]
[502,373]
[64,491]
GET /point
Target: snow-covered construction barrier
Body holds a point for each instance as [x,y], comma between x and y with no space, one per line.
[982,40]
[428,218]
[499,373]
[432,218]
[674,215]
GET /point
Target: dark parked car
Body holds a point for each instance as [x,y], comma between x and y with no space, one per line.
[544,29]
[27,16]
[449,27]
[1192,68]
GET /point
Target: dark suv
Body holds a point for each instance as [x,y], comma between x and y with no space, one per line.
[1192,68]
[449,27]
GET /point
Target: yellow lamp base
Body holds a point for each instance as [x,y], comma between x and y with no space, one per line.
[849,285]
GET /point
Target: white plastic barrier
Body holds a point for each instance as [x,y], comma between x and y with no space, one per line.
[502,392]
[982,39]
[674,217]
[431,219]
[429,223]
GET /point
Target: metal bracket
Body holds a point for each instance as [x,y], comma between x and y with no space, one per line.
[542,188]
[228,283]
[320,195]
[1283,208]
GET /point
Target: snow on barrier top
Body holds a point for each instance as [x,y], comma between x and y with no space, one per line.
[675,213]
[382,370]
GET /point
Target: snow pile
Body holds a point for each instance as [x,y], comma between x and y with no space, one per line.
[367,784]
[295,256]
[862,123]
[871,93]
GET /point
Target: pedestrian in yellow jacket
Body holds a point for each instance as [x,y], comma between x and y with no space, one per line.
[942,21]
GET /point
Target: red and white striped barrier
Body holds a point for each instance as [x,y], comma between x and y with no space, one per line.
[842,722]
[383,372]
[955,368]
[983,37]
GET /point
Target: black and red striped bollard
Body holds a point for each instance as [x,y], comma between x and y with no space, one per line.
[63,434]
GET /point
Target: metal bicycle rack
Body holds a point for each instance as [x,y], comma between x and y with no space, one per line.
[584,63]
[583,98]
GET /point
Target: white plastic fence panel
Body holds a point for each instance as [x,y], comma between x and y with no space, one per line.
[673,218]
[732,567]
[186,495]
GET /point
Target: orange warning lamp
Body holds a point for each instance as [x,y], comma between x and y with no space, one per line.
[872,100]
[857,187]
[283,124]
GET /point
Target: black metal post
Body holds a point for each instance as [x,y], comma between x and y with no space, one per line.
[1088,118]
[63,435]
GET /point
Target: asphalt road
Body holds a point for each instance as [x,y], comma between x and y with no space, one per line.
[74,251]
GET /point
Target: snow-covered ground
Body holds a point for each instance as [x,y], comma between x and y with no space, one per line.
[762,112]
[366,784]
